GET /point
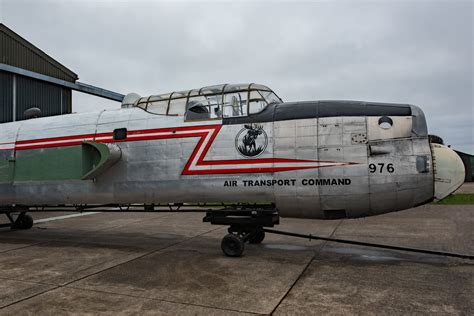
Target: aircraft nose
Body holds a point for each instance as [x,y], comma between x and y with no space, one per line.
[449,171]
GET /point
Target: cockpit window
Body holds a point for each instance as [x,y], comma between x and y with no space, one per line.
[213,102]
[156,107]
[177,106]
[197,108]
[215,106]
[270,96]
[256,102]
[235,104]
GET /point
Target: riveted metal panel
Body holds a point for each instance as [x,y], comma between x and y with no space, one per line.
[151,171]
[401,127]
[401,185]
[330,131]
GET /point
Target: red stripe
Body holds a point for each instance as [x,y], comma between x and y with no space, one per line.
[43,140]
[142,138]
[173,129]
[186,170]
[49,145]
[94,136]
[249,170]
[262,160]
[192,131]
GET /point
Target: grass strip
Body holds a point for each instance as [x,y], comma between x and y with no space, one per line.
[457,199]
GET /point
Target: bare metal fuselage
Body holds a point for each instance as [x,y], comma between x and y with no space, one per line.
[314,165]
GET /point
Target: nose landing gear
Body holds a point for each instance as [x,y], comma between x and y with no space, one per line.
[233,244]
[22,221]
[245,226]
[258,236]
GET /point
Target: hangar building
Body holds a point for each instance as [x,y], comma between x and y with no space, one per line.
[30,78]
[20,61]
[468,161]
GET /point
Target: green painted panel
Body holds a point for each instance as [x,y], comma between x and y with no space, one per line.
[94,159]
[66,163]
[50,164]
[6,170]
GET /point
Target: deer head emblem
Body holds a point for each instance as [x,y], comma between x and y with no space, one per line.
[247,140]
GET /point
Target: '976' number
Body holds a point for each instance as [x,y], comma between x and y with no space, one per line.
[381,167]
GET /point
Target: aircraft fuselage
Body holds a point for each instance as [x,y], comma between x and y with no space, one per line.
[322,159]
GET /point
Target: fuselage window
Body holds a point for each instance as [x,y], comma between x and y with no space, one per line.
[120,133]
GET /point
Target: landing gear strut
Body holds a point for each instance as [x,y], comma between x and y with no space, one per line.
[22,221]
[245,226]
[258,236]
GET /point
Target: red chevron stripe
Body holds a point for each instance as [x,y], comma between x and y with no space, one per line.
[196,165]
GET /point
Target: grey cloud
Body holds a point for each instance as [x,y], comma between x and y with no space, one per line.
[418,52]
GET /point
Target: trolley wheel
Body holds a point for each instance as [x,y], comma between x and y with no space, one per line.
[232,245]
[24,221]
[257,237]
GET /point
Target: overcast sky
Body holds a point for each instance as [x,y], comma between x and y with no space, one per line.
[418,52]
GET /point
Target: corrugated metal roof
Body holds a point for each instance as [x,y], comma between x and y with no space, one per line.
[18,52]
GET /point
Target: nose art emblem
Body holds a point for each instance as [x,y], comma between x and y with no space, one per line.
[251,141]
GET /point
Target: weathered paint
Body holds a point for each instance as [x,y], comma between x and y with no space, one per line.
[6,170]
[97,158]
[313,167]
[59,163]
[53,164]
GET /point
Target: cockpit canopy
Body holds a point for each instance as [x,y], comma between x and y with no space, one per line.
[213,102]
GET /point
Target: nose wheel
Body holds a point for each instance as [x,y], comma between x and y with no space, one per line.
[246,225]
[233,245]
[257,237]
[22,221]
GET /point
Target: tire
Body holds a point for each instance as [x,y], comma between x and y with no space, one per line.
[24,221]
[232,245]
[257,237]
